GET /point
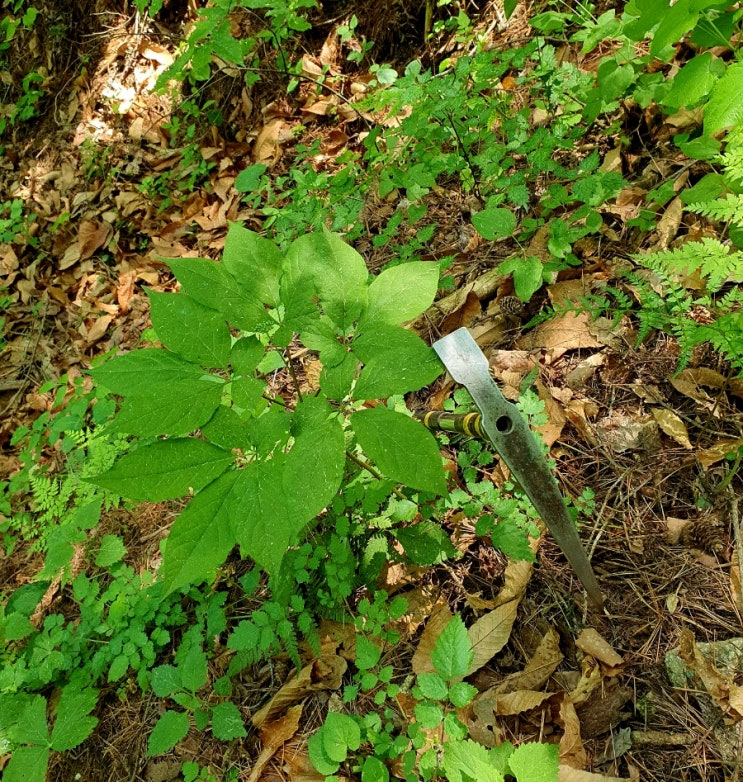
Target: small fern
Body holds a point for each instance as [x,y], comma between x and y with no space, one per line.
[729,208]
[709,257]
[715,317]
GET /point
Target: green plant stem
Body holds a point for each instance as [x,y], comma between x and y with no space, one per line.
[368,467]
[730,473]
[295,379]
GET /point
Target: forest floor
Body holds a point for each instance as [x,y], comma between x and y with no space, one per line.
[113,199]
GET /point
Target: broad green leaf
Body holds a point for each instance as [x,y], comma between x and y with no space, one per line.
[313,471]
[273,500]
[318,757]
[177,409]
[25,599]
[613,79]
[321,335]
[227,722]
[425,543]
[247,394]
[31,727]
[270,430]
[118,669]
[111,550]
[255,262]
[226,429]
[694,81]
[14,627]
[260,520]
[249,178]
[165,469]
[171,728]
[374,770]
[224,44]
[397,361]
[429,715]
[193,669]
[452,653]
[461,694]
[27,764]
[340,733]
[495,223]
[211,284]
[336,381]
[73,723]
[527,275]
[166,679]
[368,653]
[432,686]
[338,272]
[201,537]
[676,21]
[468,760]
[725,107]
[137,371]
[163,393]
[193,331]
[402,292]
[513,541]
[535,762]
[245,637]
[246,354]
[403,449]
[298,293]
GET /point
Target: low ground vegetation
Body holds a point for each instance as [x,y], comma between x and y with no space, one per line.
[230,235]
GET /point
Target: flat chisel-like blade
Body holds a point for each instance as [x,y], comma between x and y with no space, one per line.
[516,443]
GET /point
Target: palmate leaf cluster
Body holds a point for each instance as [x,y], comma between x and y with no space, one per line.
[259,470]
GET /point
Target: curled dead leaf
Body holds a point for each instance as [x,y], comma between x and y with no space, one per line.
[592,643]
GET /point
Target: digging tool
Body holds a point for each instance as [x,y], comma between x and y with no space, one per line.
[501,422]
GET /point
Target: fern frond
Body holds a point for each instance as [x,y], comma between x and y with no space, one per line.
[710,257]
[728,209]
[726,336]
[732,160]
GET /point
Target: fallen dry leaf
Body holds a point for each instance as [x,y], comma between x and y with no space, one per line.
[668,225]
[723,691]
[674,529]
[92,235]
[463,315]
[709,456]
[266,147]
[572,751]
[551,431]
[540,667]
[592,643]
[590,678]
[490,633]
[274,735]
[673,426]
[560,334]
[325,673]
[626,433]
[513,703]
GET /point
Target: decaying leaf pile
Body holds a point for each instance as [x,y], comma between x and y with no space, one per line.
[640,692]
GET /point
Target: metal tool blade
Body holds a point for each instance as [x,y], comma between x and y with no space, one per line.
[516,443]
